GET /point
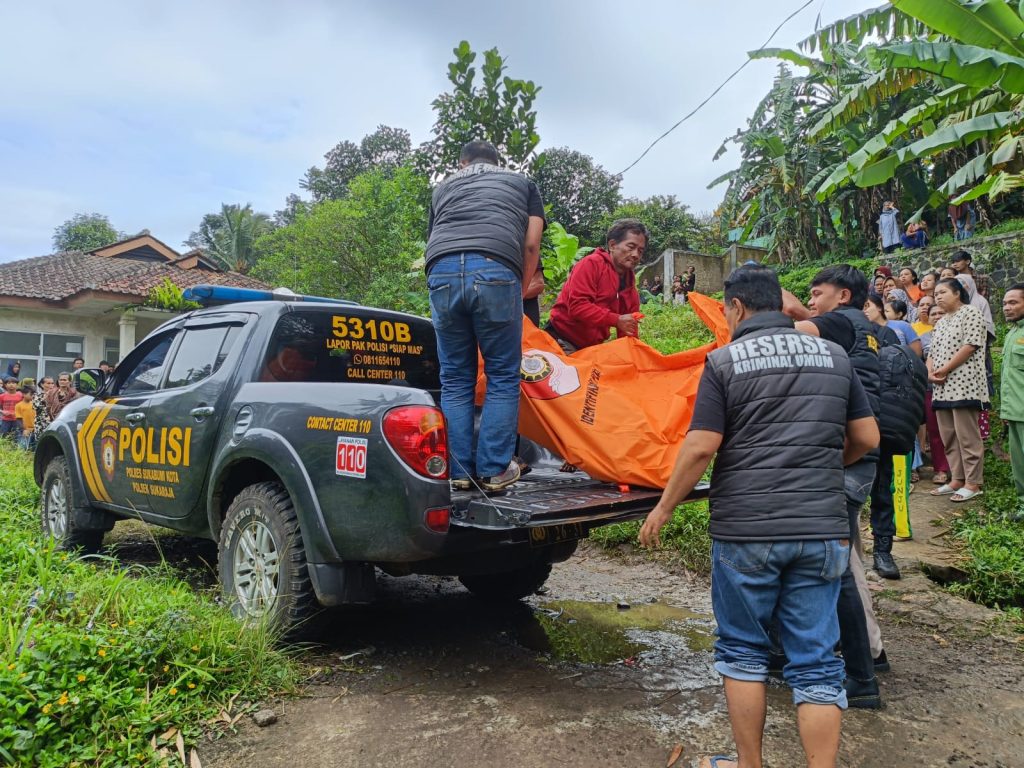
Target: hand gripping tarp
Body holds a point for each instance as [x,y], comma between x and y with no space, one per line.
[618,411]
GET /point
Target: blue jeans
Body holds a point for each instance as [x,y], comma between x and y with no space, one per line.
[797,583]
[478,301]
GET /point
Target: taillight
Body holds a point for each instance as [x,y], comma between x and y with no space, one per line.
[418,436]
[438,519]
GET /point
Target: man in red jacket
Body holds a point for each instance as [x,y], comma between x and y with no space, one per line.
[600,293]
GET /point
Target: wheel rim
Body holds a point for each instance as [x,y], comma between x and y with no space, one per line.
[256,568]
[57,512]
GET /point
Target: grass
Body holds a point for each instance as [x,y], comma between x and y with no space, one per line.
[107,664]
[993,545]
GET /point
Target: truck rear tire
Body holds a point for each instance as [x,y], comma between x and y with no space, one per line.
[262,560]
[510,585]
[58,514]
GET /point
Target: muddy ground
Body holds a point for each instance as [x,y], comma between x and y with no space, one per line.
[430,676]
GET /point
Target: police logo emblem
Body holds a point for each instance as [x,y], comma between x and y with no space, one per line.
[107,456]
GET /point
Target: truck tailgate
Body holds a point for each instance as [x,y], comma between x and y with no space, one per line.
[547,497]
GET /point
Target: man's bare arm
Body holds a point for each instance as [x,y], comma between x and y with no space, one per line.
[861,436]
[531,248]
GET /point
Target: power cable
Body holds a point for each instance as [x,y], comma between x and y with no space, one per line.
[720,87]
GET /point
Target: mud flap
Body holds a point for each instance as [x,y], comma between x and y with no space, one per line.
[343,583]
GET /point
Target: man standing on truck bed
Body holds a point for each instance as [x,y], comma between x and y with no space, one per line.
[486,224]
[784,414]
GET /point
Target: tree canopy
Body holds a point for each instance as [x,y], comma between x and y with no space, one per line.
[362,247]
[85,232]
[386,149]
[580,192]
[497,108]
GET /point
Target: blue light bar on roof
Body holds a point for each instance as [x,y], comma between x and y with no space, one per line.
[208,295]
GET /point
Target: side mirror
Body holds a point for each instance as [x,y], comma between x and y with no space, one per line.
[88,381]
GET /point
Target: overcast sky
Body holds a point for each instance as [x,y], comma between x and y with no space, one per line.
[155,113]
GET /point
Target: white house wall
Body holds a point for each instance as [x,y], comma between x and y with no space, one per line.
[94,328]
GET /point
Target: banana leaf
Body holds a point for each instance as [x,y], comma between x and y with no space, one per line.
[866,95]
[989,24]
[885,22]
[967,64]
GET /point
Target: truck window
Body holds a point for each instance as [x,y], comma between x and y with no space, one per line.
[145,376]
[358,345]
[201,353]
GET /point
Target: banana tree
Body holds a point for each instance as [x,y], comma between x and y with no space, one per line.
[973,54]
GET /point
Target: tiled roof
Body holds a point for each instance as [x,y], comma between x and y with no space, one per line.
[62,275]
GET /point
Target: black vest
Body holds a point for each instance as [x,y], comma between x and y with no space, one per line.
[778,475]
[481,208]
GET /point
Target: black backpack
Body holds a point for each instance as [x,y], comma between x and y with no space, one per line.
[902,382]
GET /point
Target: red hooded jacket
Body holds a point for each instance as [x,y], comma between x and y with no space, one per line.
[591,301]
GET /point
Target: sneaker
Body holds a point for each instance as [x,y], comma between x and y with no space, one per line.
[504,480]
[462,484]
[882,662]
[885,566]
[863,694]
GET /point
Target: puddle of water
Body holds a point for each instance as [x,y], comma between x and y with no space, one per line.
[601,633]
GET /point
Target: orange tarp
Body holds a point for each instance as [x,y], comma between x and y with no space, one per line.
[618,411]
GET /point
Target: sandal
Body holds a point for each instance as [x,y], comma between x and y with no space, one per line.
[915,477]
[712,761]
[943,490]
[940,478]
[964,495]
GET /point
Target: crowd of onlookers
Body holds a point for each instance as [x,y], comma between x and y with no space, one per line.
[27,407]
[945,317]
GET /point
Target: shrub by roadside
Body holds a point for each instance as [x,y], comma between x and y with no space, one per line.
[993,545]
[100,659]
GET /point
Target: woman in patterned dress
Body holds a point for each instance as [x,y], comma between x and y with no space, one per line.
[956,368]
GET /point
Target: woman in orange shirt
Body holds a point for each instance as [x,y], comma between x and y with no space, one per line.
[908,281]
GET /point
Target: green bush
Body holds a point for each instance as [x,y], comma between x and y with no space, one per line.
[98,658]
[685,535]
[797,279]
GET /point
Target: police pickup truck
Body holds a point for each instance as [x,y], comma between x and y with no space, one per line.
[304,436]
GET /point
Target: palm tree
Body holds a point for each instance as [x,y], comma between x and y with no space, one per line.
[229,237]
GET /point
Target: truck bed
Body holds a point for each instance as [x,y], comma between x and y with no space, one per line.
[549,497]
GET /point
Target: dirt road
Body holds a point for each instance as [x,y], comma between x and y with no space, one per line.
[431,677]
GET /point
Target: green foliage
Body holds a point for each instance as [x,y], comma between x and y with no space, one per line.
[97,659]
[559,252]
[169,296]
[797,278]
[685,535]
[387,149]
[918,101]
[499,110]
[361,248]
[670,223]
[85,232]
[579,191]
[671,328]
[229,237]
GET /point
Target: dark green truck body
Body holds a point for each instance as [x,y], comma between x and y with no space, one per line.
[192,417]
